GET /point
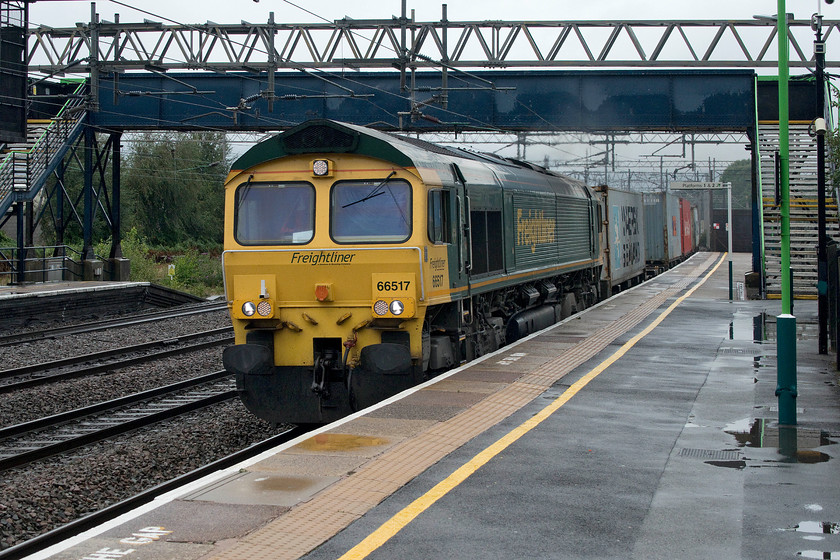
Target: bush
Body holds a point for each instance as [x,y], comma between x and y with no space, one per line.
[136,249]
[143,266]
[197,273]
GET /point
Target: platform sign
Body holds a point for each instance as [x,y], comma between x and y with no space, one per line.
[696,185]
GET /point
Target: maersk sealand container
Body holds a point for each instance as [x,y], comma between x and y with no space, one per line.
[623,238]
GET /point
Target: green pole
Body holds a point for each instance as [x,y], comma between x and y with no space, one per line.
[785,323]
[786,368]
[784,155]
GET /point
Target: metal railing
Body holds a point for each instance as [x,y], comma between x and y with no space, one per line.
[51,263]
[26,171]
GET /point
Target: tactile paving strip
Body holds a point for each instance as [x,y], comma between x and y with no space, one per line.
[309,524]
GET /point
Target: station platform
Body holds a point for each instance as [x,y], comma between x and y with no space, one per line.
[643,428]
[26,305]
[52,289]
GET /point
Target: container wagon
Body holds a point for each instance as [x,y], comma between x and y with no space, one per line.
[623,239]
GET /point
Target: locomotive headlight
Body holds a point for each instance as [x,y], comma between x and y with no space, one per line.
[322,168]
[248,308]
[397,307]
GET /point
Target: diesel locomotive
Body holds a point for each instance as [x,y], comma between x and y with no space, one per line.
[358,262]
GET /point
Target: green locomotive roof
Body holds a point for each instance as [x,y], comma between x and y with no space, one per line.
[324,136]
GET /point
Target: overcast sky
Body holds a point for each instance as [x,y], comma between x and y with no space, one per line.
[58,13]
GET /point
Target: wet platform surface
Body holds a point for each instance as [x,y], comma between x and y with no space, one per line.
[643,428]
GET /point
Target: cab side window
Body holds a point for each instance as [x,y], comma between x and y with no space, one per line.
[440,226]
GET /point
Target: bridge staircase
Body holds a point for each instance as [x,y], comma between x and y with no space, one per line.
[24,168]
[803,209]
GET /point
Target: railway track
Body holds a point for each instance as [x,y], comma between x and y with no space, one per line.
[99,362]
[73,528]
[105,324]
[49,490]
[24,443]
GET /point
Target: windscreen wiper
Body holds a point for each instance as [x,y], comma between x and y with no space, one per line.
[245,189]
[374,192]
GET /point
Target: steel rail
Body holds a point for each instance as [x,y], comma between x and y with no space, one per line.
[85,368]
[92,326]
[85,433]
[71,415]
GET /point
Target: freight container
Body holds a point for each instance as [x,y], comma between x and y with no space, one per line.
[623,238]
[663,245]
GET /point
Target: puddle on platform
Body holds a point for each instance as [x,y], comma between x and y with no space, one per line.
[340,442]
[762,328]
[813,531]
[760,362]
[738,428]
[818,527]
[795,443]
[728,464]
[283,484]
[758,328]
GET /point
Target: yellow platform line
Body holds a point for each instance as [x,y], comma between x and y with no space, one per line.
[399,521]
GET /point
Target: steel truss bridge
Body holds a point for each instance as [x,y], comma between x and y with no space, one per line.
[404,43]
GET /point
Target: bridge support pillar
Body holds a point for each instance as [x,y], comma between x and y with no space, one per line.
[119,269]
[94,270]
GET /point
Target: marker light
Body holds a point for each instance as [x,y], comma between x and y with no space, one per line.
[264,308]
[248,308]
[321,168]
[380,307]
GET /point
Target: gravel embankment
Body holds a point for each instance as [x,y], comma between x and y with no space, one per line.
[54,491]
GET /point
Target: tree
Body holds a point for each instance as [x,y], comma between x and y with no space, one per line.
[832,156]
[739,173]
[172,188]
